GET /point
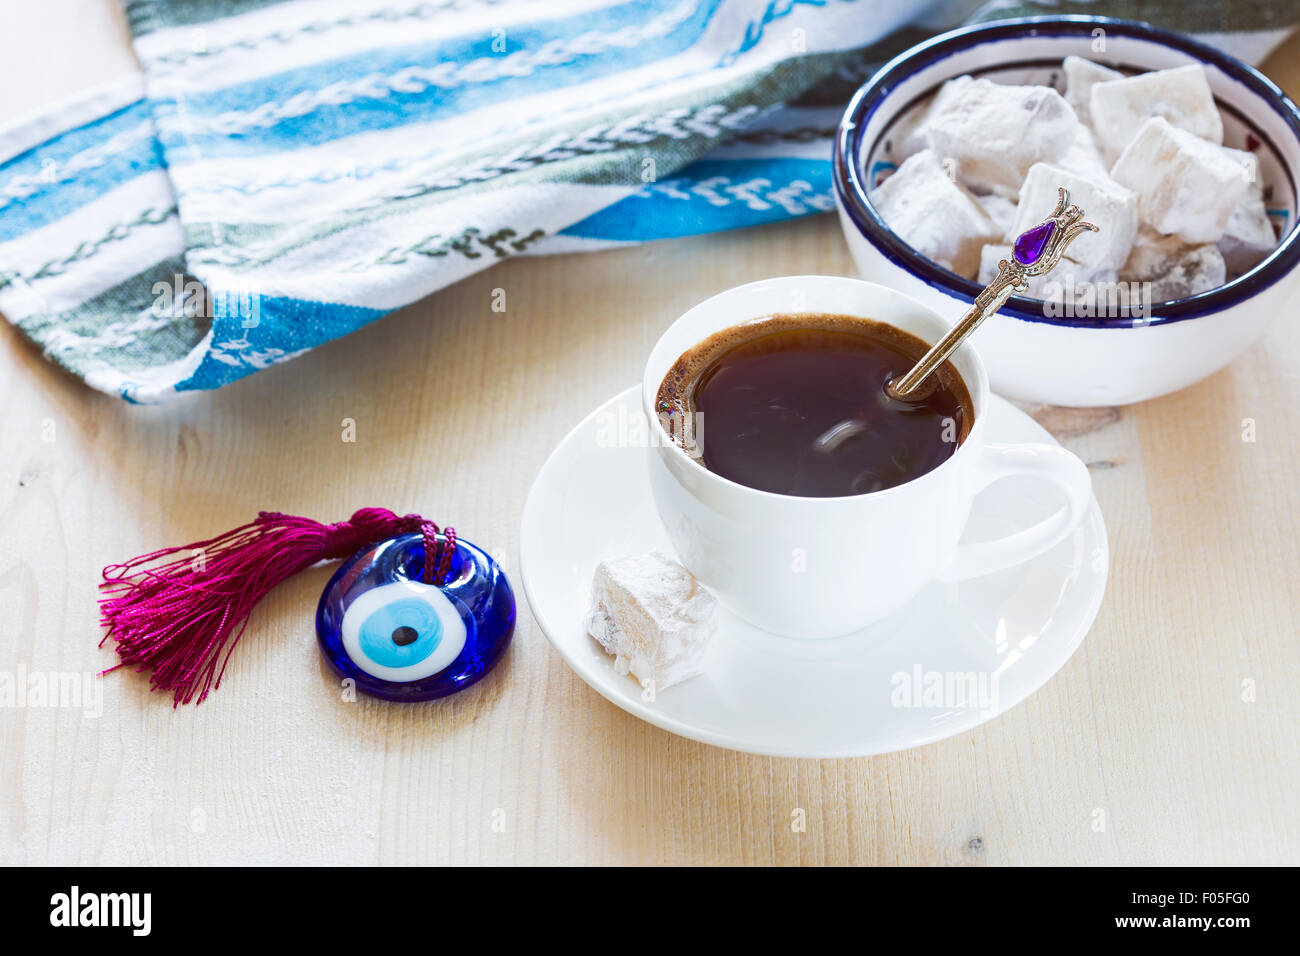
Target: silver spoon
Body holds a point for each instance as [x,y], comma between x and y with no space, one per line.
[1035,252]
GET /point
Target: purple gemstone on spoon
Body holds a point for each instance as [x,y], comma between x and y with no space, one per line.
[1031,244]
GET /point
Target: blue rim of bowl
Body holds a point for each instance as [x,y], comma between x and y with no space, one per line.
[853,196]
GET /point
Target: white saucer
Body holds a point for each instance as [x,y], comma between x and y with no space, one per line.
[958,655]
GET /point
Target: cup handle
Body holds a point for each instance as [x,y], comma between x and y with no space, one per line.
[1051,463]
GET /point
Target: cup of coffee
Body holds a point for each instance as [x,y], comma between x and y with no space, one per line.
[795,488]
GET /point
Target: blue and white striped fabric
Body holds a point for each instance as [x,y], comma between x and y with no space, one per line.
[282,173]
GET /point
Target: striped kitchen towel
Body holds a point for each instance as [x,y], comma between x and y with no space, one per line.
[282,172]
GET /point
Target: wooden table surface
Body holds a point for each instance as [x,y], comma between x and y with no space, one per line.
[1170,736]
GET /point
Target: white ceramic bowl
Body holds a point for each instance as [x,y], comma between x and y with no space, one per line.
[1062,359]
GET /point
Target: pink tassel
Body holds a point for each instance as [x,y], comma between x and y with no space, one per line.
[174,617]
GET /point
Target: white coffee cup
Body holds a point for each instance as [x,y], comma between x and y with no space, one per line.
[821,567]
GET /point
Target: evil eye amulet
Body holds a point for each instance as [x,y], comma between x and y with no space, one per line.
[380,625]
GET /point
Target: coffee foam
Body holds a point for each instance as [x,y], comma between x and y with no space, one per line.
[675,399]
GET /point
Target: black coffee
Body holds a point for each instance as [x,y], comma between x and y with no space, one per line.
[796,404]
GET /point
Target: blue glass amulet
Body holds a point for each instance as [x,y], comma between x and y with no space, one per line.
[380,625]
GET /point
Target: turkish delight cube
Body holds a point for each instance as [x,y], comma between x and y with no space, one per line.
[651,614]
[909,136]
[1172,268]
[1180,96]
[1111,207]
[1249,236]
[935,215]
[1185,185]
[995,132]
[1081,75]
